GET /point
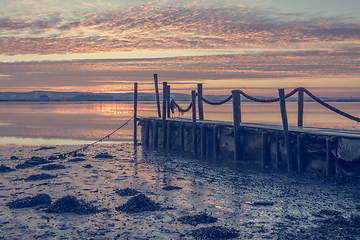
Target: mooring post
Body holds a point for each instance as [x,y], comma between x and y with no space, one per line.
[200,102]
[157,94]
[135,113]
[300,152]
[193,100]
[330,162]
[155,133]
[168,100]
[300,107]
[182,137]
[164,114]
[237,120]
[286,129]
[265,150]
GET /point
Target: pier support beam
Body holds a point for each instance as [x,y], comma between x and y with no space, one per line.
[286,129]
[203,140]
[200,102]
[330,162]
[135,113]
[155,134]
[265,150]
[300,107]
[300,153]
[216,141]
[164,114]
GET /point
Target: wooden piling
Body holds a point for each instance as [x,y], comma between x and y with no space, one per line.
[203,140]
[216,141]
[265,150]
[168,135]
[330,162]
[300,153]
[237,120]
[168,100]
[155,133]
[135,113]
[300,107]
[286,129]
[147,133]
[164,114]
[182,137]
[278,153]
[193,100]
[200,102]
[157,94]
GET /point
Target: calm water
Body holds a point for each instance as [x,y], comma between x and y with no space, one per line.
[85,122]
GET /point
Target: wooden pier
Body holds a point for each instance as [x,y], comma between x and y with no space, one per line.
[290,148]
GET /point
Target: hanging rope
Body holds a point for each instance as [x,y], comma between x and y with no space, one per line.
[214,103]
[174,104]
[74,153]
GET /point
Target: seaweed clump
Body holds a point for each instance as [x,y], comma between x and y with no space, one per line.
[126,192]
[103,155]
[52,167]
[69,204]
[40,199]
[34,161]
[42,176]
[138,203]
[194,220]
[4,168]
[215,232]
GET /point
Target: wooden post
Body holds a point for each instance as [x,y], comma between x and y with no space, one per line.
[135,113]
[168,100]
[155,133]
[265,150]
[237,120]
[193,100]
[300,107]
[300,152]
[157,94]
[286,129]
[216,147]
[203,140]
[147,133]
[330,163]
[182,137]
[200,102]
[164,114]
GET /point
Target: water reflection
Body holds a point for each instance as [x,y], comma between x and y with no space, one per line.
[90,121]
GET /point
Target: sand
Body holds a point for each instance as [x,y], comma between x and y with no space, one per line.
[169,197]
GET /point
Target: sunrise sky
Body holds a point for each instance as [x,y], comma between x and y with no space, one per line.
[254,45]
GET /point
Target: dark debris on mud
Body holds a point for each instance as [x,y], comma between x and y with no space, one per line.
[103,155]
[34,161]
[4,168]
[41,176]
[52,167]
[171,188]
[214,232]
[40,199]
[88,166]
[44,148]
[139,203]
[194,220]
[69,204]
[126,192]
[78,159]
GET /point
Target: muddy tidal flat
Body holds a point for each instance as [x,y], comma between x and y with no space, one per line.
[118,192]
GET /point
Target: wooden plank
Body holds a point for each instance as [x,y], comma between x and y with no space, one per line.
[265,149]
[182,137]
[155,133]
[330,161]
[203,139]
[300,153]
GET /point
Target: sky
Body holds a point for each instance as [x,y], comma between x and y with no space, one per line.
[254,45]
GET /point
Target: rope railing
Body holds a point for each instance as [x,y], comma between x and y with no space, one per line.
[174,104]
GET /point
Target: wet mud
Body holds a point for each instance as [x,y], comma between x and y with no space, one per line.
[141,194]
